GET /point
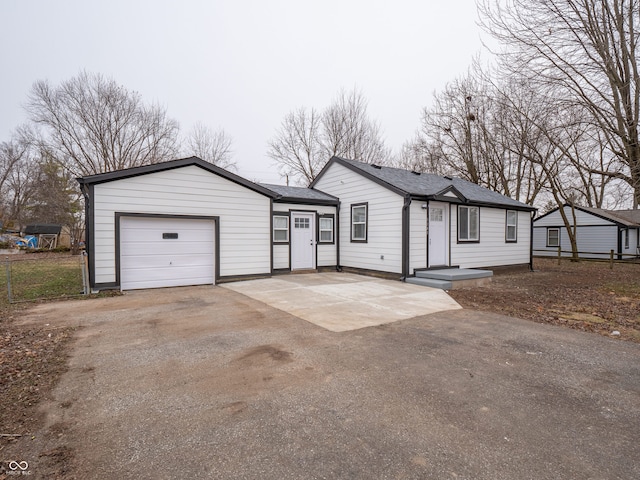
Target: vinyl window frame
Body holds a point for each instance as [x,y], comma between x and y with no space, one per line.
[286,229]
[557,230]
[468,238]
[365,238]
[513,225]
[330,217]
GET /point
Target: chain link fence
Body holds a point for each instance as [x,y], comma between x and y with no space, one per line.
[43,276]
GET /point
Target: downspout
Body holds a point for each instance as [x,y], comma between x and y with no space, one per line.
[337,237]
[405,237]
[88,242]
[531,214]
[619,242]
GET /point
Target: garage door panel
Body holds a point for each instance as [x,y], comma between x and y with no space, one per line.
[155,261]
[181,248]
[147,260]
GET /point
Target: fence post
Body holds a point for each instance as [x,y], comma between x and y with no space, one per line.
[559,254]
[8,266]
[85,273]
[611,260]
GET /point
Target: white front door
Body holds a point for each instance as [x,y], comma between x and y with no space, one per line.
[303,248]
[438,234]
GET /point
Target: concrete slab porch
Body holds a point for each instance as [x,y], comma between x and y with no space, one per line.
[450,278]
[342,301]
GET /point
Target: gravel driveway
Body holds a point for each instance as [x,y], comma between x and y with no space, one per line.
[203,382]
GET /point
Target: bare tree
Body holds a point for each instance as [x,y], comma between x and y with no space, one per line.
[419,155]
[90,125]
[17,178]
[307,139]
[587,52]
[211,146]
[297,146]
[349,132]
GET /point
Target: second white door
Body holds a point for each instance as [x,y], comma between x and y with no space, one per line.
[303,248]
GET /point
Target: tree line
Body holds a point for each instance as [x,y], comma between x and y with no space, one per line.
[88,125]
[550,118]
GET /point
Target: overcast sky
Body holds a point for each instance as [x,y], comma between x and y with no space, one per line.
[241,65]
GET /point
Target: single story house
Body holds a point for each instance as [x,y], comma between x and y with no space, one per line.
[598,231]
[397,221]
[188,222]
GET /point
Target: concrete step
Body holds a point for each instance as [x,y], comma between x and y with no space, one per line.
[430,282]
[454,274]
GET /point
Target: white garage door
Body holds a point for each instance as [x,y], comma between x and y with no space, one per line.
[165,252]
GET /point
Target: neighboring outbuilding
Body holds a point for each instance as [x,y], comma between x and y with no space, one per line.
[188,222]
[400,222]
[598,231]
[46,235]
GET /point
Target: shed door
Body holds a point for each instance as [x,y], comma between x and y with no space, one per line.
[303,250]
[166,252]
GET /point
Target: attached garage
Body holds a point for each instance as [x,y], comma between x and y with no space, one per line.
[160,251]
[177,223]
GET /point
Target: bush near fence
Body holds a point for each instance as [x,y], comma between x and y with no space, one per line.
[36,277]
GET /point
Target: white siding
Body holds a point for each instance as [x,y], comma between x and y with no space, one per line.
[280,256]
[492,250]
[418,236]
[594,241]
[326,254]
[244,216]
[383,250]
[595,236]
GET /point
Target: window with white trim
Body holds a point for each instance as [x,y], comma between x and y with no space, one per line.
[553,237]
[511,228]
[359,223]
[626,238]
[280,229]
[326,229]
[468,224]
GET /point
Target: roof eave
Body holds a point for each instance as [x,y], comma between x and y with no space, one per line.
[171,165]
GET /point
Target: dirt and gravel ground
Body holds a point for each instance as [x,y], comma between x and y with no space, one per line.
[586,296]
[206,383]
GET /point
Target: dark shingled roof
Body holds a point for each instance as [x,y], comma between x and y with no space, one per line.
[628,218]
[629,215]
[300,193]
[429,185]
[43,228]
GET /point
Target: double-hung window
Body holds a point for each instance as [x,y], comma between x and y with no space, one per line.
[280,229]
[553,237]
[325,229]
[359,222]
[511,229]
[468,224]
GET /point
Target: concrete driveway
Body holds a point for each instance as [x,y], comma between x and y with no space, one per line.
[203,382]
[343,301]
